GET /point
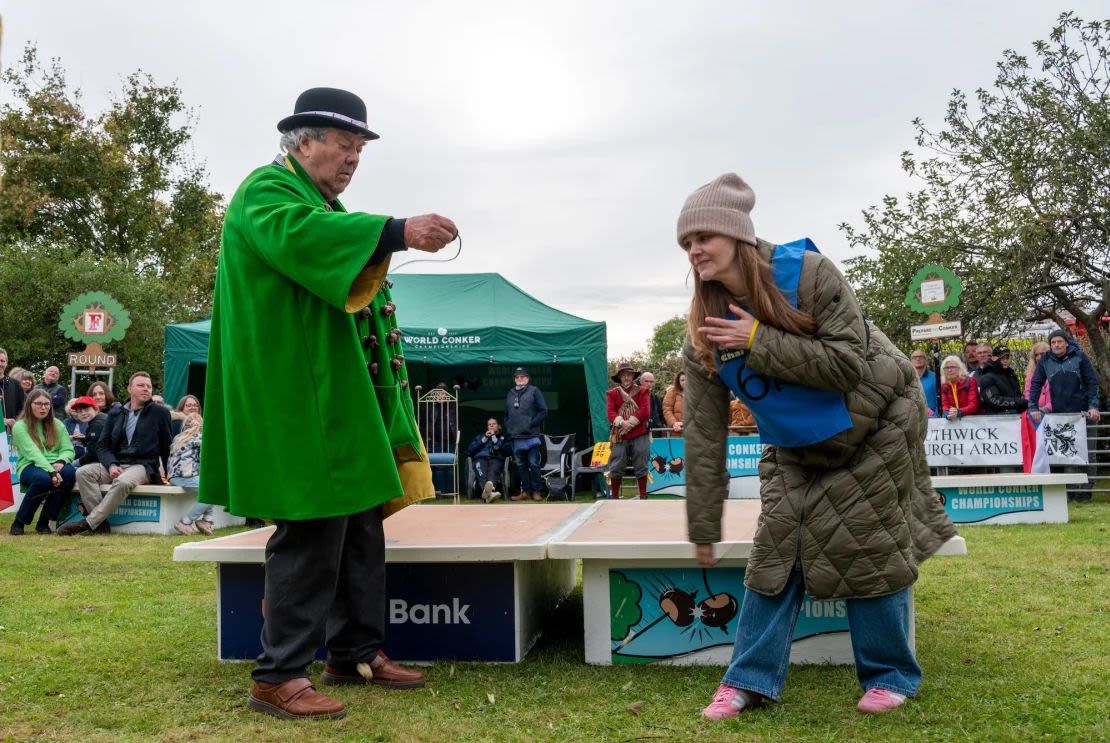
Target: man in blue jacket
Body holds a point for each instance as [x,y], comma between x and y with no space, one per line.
[488,451]
[1072,381]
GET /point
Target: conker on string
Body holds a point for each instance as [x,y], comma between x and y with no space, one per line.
[373,366]
[388,309]
[370,341]
[395,335]
[719,610]
[397,362]
[366,311]
[678,606]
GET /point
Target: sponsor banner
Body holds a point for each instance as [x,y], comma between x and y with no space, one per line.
[1063,438]
[974,441]
[434,611]
[668,461]
[969,505]
[661,613]
[134,508]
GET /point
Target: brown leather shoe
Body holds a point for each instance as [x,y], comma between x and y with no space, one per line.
[74,528]
[384,672]
[296,699]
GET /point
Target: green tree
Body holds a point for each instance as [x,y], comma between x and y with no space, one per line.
[115,199]
[667,339]
[1016,198]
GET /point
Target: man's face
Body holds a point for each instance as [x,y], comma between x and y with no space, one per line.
[332,163]
[647,379]
[521,380]
[1059,346]
[493,426]
[983,355]
[626,378]
[50,376]
[917,358]
[3,363]
[140,390]
[971,352]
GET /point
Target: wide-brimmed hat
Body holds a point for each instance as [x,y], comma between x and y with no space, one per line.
[623,368]
[328,107]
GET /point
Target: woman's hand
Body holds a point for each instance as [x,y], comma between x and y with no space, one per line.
[729,334]
[703,553]
[58,466]
[952,413]
[677,426]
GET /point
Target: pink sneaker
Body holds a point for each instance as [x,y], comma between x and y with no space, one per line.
[727,702]
[877,701]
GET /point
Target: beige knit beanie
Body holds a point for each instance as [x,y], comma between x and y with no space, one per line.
[721,207]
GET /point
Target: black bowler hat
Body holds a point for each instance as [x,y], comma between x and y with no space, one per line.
[328,107]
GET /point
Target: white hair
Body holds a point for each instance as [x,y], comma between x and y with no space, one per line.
[291,139]
[958,361]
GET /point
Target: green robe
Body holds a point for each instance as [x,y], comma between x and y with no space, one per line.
[297,426]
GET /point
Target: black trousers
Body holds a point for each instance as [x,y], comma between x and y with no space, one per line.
[323,576]
[487,468]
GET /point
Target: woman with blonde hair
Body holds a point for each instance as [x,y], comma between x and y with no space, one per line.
[1044,402]
[43,465]
[184,472]
[847,507]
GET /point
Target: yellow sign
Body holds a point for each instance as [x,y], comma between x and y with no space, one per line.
[600,457]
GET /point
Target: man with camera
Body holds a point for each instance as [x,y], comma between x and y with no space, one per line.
[132,451]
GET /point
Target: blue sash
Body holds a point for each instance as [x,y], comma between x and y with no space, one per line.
[787,414]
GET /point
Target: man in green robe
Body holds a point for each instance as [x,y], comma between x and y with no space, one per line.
[302,309]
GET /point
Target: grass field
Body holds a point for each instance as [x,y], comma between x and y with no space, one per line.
[107,639]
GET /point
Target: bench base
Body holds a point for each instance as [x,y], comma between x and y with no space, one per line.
[151,509]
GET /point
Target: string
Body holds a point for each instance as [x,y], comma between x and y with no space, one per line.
[432,260]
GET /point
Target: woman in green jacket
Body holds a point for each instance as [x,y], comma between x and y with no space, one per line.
[847,507]
[43,465]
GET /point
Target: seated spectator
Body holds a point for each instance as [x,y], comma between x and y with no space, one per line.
[186,405]
[184,472]
[740,419]
[82,412]
[26,381]
[927,377]
[999,389]
[43,466]
[134,446]
[628,409]
[672,403]
[489,451]
[11,392]
[59,395]
[656,421]
[959,395]
[1044,402]
[102,393]
[87,411]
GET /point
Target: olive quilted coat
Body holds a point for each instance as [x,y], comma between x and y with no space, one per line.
[858,509]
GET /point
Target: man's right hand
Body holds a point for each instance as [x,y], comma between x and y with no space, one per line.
[115,471]
[429,232]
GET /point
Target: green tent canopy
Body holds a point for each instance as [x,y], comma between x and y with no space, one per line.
[471,330]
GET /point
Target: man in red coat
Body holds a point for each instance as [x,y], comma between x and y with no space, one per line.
[629,409]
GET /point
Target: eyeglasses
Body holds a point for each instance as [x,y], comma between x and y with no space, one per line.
[43,404]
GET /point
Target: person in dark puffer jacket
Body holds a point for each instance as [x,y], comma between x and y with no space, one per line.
[999,388]
[848,509]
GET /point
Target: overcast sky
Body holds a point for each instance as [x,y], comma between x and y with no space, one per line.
[564,137]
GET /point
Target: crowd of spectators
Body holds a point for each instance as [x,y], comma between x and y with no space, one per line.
[60,444]
[1058,378]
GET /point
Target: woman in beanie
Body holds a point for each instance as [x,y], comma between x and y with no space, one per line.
[848,510]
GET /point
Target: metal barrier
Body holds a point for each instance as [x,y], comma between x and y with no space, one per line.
[1098,452]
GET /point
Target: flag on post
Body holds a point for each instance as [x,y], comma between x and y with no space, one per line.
[7,493]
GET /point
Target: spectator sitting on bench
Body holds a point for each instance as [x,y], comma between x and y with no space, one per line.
[135,444]
[102,393]
[489,452]
[43,465]
[186,405]
[184,472]
[82,412]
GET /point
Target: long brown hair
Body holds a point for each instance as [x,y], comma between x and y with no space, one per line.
[109,398]
[763,297]
[43,433]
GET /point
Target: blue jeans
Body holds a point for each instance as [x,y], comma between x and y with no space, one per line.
[880,641]
[38,486]
[192,485]
[528,468]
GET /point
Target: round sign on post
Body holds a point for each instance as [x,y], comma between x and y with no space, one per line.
[934,290]
[93,318]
